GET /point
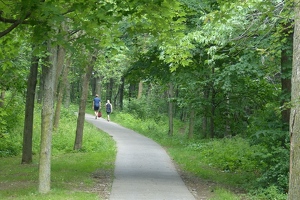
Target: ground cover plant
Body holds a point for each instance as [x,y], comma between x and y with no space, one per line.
[84,174]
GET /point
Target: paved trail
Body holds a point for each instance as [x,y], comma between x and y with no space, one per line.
[143,169]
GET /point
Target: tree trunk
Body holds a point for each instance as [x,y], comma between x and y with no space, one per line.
[131,91]
[59,84]
[213,109]
[67,97]
[98,87]
[29,110]
[47,121]
[122,92]
[227,132]
[286,66]
[82,106]
[191,123]
[115,99]
[294,179]
[2,98]
[93,83]
[40,91]
[109,90]
[204,126]
[140,92]
[66,82]
[61,53]
[212,117]
[62,87]
[205,116]
[171,95]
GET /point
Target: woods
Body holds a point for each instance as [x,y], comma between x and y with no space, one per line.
[223,69]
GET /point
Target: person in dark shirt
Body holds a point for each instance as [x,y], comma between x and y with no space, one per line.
[96,105]
[109,109]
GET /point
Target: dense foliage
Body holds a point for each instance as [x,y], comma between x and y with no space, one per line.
[222,68]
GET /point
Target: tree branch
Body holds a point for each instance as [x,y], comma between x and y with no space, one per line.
[14,25]
[2,19]
[16,22]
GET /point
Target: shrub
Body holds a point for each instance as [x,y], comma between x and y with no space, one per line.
[230,155]
[270,193]
[266,130]
[145,108]
[274,158]
[11,118]
[10,145]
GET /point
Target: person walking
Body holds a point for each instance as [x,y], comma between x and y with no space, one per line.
[96,105]
[109,109]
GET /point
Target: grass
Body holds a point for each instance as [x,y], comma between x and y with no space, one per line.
[74,174]
[193,163]
[222,194]
[71,177]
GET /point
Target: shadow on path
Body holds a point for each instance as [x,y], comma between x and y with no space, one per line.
[143,169]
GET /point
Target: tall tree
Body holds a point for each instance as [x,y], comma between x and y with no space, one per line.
[47,123]
[81,114]
[294,179]
[61,89]
[29,110]
[191,122]
[121,92]
[59,84]
[171,108]
[140,90]
[286,67]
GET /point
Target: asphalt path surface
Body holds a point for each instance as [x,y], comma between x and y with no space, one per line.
[143,169]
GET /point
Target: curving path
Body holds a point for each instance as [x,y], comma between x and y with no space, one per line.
[143,169]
